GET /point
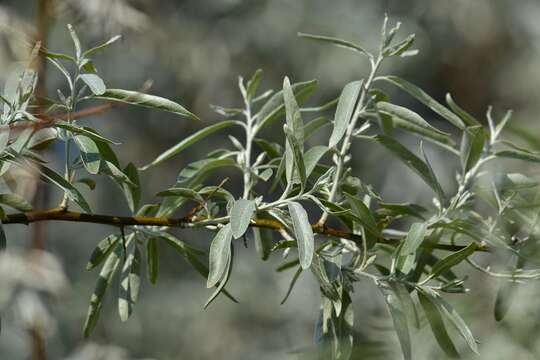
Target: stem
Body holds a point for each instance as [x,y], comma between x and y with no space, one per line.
[61,214]
[345,146]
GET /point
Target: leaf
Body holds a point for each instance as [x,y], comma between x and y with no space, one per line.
[291,285]
[190,140]
[90,155]
[130,280]
[95,83]
[400,324]
[472,145]
[436,323]
[409,120]
[295,170]
[104,280]
[452,260]
[150,101]
[344,111]
[241,214]
[411,160]
[312,158]
[454,318]
[132,192]
[73,194]
[412,242]
[275,106]
[102,251]
[337,42]
[98,48]
[520,154]
[152,260]
[223,281]
[253,84]
[465,116]
[263,242]
[303,233]
[75,39]
[427,100]
[15,201]
[220,253]
[311,127]
[90,133]
[400,48]
[363,214]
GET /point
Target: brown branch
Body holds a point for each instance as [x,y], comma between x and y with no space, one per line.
[60,214]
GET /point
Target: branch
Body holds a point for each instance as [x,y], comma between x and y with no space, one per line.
[61,214]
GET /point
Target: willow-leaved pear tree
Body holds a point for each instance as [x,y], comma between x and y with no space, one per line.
[408,251]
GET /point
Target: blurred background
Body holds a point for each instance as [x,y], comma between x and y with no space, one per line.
[484,52]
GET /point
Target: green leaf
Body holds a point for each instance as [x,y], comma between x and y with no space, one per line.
[102,251]
[102,284]
[362,213]
[452,315]
[263,242]
[73,194]
[275,107]
[312,157]
[291,285]
[98,48]
[465,116]
[411,160]
[183,193]
[223,281]
[90,133]
[190,140]
[311,127]
[412,242]
[337,42]
[427,100]
[303,233]
[400,48]
[95,83]
[452,260]
[520,154]
[241,214]
[152,260]
[344,111]
[399,319]
[15,201]
[145,100]
[294,159]
[253,84]
[437,325]
[220,253]
[132,192]
[472,145]
[76,41]
[90,155]
[411,121]
[404,209]
[130,280]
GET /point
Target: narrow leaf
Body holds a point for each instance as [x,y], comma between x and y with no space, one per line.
[219,256]
[241,214]
[102,251]
[427,100]
[102,284]
[303,233]
[344,111]
[190,140]
[95,83]
[150,101]
[337,42]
